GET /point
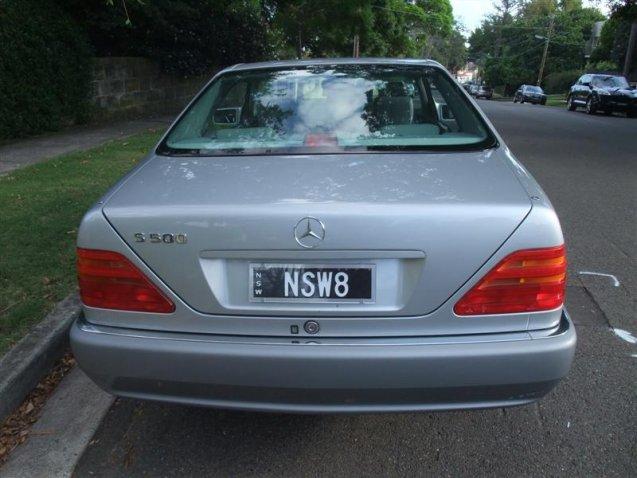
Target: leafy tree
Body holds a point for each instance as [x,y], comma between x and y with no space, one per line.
[506,8]
[438,16]
[450,51]
[611,50]
[384,27]
[509,51]
[185,37]
[193,36]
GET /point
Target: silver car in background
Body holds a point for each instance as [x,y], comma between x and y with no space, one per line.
[326,236]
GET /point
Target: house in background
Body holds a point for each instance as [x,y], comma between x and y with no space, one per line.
[468,74]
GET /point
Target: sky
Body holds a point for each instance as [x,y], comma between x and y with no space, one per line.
[470,12]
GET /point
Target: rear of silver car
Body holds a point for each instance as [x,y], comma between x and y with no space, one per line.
[340,281]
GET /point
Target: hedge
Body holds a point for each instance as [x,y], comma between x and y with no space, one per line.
[185,37]
[45,68]
[561,81]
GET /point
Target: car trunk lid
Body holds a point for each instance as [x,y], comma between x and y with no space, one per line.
[426,222]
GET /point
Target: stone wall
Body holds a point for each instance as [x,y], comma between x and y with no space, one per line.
[128,87]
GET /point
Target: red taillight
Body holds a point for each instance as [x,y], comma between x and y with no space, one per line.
[110,281]
[525,281]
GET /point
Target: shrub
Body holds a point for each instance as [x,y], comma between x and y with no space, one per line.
[185,37]
[44,68]
[604,66]
[561,81]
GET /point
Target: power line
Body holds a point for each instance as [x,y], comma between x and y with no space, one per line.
[511,57]
[396,11]
[518,26]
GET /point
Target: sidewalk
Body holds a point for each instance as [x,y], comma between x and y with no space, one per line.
[34,150]
[63,431]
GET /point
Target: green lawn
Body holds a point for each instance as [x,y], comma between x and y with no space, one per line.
[40,209]
[556,100]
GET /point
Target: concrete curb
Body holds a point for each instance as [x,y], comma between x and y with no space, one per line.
[64,429]
[32,357]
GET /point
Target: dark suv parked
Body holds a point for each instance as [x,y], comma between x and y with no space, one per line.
[530,94]
[607,93]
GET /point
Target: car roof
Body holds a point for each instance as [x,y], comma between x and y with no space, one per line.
[331,61]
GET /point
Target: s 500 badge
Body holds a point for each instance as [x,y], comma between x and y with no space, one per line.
[165,238]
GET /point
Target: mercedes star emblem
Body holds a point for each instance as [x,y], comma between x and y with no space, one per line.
[309,232]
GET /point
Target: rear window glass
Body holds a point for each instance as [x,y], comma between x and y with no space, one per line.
[610,82]
[328,109]
[534,89]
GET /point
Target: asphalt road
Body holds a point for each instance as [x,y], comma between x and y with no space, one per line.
[587,426]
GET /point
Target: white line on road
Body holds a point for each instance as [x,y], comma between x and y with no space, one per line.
[625,335]
[590,273]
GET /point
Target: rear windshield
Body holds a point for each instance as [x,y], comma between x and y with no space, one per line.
[328,109]
[534,89]
[610,82]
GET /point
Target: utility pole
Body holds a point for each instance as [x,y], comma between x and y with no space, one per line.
[632,39]
[549,32]
[356,50]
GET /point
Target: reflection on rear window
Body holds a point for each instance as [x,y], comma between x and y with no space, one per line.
[610,82]
[328,108]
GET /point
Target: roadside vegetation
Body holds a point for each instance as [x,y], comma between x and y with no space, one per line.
[509,45]
[41,207]
[45,69]
[556,100]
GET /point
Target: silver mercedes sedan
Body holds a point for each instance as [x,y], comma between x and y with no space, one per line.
[326,236]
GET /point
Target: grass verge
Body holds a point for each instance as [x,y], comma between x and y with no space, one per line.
[556,100]
[40,209]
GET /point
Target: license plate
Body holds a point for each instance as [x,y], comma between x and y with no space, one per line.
[312,283]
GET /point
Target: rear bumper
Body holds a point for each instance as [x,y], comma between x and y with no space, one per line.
[363,375]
